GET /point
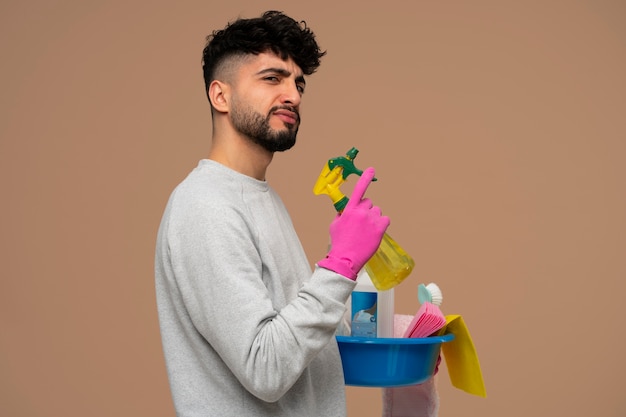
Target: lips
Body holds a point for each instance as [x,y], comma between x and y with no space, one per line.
[287,116]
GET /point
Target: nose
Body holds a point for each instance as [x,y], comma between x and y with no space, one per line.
[291,95]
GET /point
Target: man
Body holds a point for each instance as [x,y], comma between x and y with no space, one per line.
[247,328]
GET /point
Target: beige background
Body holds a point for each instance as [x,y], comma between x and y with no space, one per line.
[497,130]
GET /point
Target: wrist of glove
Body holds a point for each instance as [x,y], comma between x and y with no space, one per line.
[356,233]
[342,266]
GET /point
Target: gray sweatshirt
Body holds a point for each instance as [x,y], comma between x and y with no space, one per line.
[247,327]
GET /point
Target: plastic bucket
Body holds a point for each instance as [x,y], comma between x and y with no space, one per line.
[389,362]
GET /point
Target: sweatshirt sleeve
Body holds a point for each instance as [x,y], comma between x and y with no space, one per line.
[232,295]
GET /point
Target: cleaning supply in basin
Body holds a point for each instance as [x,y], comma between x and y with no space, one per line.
[431,293]
[429,319]
[371,310]
[390,265]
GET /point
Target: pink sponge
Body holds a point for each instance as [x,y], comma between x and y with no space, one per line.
[400,324]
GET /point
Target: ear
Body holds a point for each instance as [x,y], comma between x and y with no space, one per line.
[219,95]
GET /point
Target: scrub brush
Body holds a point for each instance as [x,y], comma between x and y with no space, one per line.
[429,293]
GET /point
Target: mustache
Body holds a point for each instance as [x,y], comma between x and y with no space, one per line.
[289,108]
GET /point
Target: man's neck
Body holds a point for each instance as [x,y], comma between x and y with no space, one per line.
[241,155]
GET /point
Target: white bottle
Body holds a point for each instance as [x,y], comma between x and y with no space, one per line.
[371,310]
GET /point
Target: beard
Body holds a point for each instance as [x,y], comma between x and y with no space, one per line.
[257,128]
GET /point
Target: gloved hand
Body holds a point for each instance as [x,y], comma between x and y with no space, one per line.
[356,233]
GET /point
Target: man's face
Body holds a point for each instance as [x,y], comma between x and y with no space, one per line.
[266,100]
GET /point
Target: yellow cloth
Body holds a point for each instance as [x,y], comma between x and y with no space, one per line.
[461,358]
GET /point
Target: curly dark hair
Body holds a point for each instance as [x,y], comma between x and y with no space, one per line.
[273,31]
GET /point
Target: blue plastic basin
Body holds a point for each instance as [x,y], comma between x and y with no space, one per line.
[389,362]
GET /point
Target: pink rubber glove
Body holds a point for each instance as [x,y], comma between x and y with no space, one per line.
[356,233]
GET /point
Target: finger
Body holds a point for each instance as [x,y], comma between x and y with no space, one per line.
[385,221]
[367,203]
[361,187]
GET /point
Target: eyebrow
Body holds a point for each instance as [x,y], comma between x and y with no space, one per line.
[283,72]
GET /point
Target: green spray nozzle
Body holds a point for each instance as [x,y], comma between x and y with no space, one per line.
[346,163]
[334,174]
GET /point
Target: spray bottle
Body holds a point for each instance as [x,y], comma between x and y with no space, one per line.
[390,265]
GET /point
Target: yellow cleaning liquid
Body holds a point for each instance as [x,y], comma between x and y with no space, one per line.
[390,265]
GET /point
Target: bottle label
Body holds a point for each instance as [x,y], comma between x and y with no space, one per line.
[364,314]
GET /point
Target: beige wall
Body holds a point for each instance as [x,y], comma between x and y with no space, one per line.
[498,133]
